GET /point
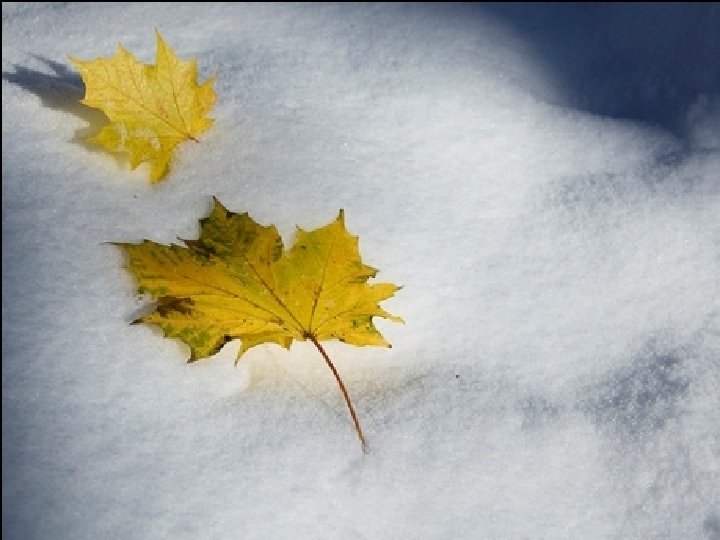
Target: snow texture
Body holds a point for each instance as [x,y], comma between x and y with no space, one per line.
[543,180]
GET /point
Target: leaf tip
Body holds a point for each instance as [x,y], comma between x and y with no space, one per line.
[159,39]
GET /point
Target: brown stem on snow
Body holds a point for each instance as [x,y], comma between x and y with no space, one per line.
[343,390]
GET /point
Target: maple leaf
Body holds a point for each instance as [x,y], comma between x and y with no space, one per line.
[237,281]
[152,108]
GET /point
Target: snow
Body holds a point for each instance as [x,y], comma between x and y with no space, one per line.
[544,181]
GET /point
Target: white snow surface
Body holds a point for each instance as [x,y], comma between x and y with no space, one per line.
[558,375]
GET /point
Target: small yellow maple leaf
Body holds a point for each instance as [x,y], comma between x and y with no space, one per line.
[237,281]
[152,108]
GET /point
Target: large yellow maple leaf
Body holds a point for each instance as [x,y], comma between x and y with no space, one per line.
[152,108]
[237,281]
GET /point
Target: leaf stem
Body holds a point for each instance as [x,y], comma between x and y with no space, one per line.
[344,391]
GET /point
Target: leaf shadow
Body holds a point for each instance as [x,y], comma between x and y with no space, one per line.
[62,90]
